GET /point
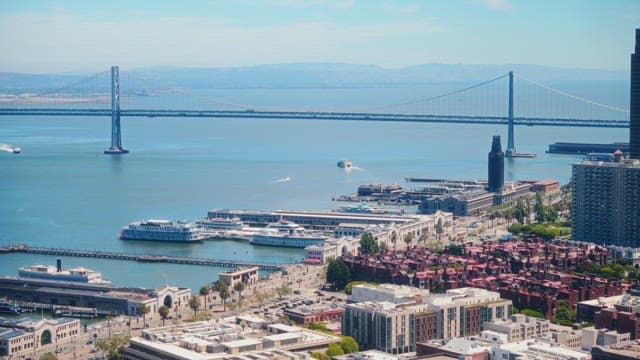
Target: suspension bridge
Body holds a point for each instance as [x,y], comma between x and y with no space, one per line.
[490,102]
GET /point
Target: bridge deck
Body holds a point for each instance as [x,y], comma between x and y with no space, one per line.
[311,115]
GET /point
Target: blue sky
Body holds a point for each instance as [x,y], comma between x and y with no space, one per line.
[62,36]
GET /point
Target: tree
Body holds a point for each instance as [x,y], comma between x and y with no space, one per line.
[113,347]
[143,310]
[532,313]
[367,244]
[223,291]
[349,345]
[456,250]
[439,228]
[519,212]
[438,288]
[204,291]
[334,350]
[164,312]
[408,239]
[194,304]
[283,290]
[338,273]
[317,326]
[319,355]
[48,356]
[239,287]
[539,208]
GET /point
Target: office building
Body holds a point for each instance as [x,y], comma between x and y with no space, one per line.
[606,202]
[519,327]
[496,166]
[382,326]
[396,328]
[634,131]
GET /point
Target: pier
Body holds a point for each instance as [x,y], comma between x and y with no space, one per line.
[139,257]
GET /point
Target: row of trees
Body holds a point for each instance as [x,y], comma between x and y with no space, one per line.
[347,345]
[542,213]
[620,270]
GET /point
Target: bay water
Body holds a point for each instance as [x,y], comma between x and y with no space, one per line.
[62,191]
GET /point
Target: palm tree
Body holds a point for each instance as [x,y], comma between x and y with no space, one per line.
[204,291]
[223,291]
[164,312]
[408,238]
[194,304]
[143,310]
[239,286]
[108,318]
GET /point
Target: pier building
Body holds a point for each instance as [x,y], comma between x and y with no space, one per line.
[473,201]
[27,336]
[332,248]
[314,220]
[105,299]
[246,275]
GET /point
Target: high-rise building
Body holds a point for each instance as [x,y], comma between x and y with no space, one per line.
[496,166]
[634,131]
[606,202]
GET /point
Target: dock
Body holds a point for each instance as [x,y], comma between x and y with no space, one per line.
[268,267]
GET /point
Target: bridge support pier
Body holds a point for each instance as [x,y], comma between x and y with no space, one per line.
[511,148]
[116,139]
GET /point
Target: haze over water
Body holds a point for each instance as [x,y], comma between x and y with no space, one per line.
[63,192]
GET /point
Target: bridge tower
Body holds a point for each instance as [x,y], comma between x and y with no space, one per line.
[511,148]
[116,139]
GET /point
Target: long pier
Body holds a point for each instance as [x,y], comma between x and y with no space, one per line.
[139,257]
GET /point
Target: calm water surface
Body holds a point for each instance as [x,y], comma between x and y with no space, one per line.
[63,192]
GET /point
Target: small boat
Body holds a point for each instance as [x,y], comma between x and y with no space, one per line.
[345,164]
[8,308]
[16,150]
[284,179]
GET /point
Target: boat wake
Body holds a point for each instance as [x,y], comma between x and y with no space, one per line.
[353,168]
[284,179]
[10,149]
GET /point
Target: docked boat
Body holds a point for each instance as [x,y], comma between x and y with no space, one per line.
[286,234]
[345,164]
[162,230]
[57,273]
[8,308]
[366,209]
[221,223]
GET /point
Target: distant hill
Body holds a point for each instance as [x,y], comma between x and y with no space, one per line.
[321,75]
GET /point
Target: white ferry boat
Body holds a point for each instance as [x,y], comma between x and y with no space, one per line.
[48,272]
[366,209]
[286,234]
[162,230]
[221,223]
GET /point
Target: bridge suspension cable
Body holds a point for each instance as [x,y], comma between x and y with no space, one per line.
[571,96]
[451,93]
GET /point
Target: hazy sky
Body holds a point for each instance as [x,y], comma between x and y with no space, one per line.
[61,36]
